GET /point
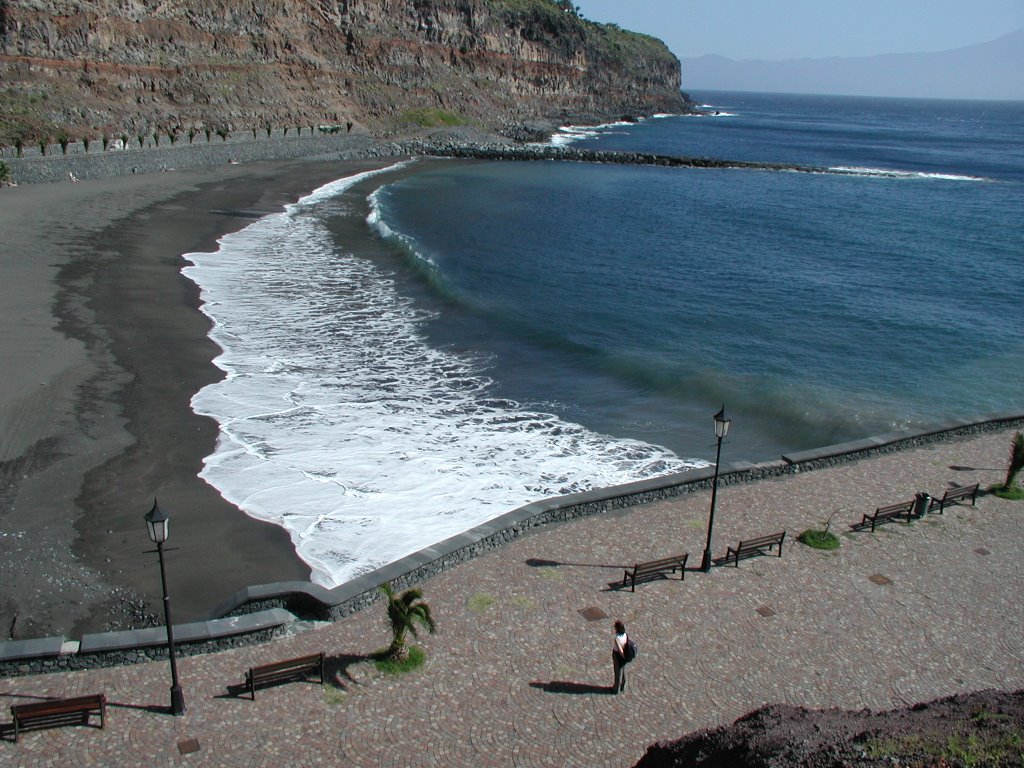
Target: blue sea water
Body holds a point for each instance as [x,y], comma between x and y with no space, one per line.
[818,308]
[507,331]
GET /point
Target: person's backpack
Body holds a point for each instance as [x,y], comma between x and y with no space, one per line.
[630,649]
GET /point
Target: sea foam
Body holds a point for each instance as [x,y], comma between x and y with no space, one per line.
[341,424]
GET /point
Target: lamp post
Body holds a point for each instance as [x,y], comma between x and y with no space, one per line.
[156,520]
[721,430]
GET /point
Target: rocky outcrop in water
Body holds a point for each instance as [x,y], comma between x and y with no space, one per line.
[135,68]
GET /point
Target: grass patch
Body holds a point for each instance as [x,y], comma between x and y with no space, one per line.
[413,660]
[551,574]
[976,748]
[1013,492]
[480,602]
[333,696]
[816,539]
[432,118]
[521,601]
[697,525]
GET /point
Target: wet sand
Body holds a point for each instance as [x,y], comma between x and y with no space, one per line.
[103,346]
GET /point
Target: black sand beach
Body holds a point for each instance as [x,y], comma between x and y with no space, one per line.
[104,346]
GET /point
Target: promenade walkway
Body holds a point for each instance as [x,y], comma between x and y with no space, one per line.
[516,674]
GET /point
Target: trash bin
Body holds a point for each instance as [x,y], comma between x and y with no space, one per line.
[921,503]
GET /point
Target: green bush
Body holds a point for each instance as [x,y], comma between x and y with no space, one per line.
[816,539]
[1013,493]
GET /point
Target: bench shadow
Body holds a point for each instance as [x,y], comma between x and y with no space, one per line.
[565,686]
[45,724]
[156,709]
[537,562]
[958,468]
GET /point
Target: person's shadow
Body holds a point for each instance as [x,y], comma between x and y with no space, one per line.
[564,686]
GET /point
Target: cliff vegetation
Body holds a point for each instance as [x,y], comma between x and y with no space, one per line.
[123,69]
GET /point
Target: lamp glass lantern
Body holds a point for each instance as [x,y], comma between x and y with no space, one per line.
[721,424]
[157,521]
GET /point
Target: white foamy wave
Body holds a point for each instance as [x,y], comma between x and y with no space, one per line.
[567,134]
[889,173]
[708,110]
[339,423]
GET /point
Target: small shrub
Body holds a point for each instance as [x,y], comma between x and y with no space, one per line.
[86,143]
[64,140]
[816,539]
[208,132]
[5,173]
[42,146]
[191,134]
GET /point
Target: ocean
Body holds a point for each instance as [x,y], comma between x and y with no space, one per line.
[411,353]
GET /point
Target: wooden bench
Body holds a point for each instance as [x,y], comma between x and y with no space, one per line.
[282,671]
[74,711]
[648,571]
[886,514]
[762,545]
[955,496]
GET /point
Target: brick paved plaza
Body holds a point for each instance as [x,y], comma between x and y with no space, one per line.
[516,674]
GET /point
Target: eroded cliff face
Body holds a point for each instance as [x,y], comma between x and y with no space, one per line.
[117,67]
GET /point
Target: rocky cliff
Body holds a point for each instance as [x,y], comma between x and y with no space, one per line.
[137,67]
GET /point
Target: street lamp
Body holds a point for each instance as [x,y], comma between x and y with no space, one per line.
[157,520]
[721,430]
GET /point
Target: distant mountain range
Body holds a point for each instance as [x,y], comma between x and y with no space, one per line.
[993,70]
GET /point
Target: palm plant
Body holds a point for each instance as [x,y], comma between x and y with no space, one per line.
[405,611]
[1016,460]
[5,173]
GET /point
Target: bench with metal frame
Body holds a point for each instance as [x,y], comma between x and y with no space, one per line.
[72,711]
[655,568]
[886,514]
[955,496]
[284,671]
[762,545]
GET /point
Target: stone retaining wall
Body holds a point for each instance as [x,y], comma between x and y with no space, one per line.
[95,164]
[260,612]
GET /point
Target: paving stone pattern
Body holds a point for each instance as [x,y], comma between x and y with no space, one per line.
[516,674]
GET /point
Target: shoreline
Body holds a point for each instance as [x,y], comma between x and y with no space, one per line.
[109,426]
[96,417]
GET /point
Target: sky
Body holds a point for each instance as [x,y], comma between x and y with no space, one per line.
[791,29]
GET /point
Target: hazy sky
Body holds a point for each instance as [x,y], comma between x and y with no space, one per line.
[789,29]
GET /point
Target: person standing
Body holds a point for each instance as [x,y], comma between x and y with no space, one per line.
[619,657]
